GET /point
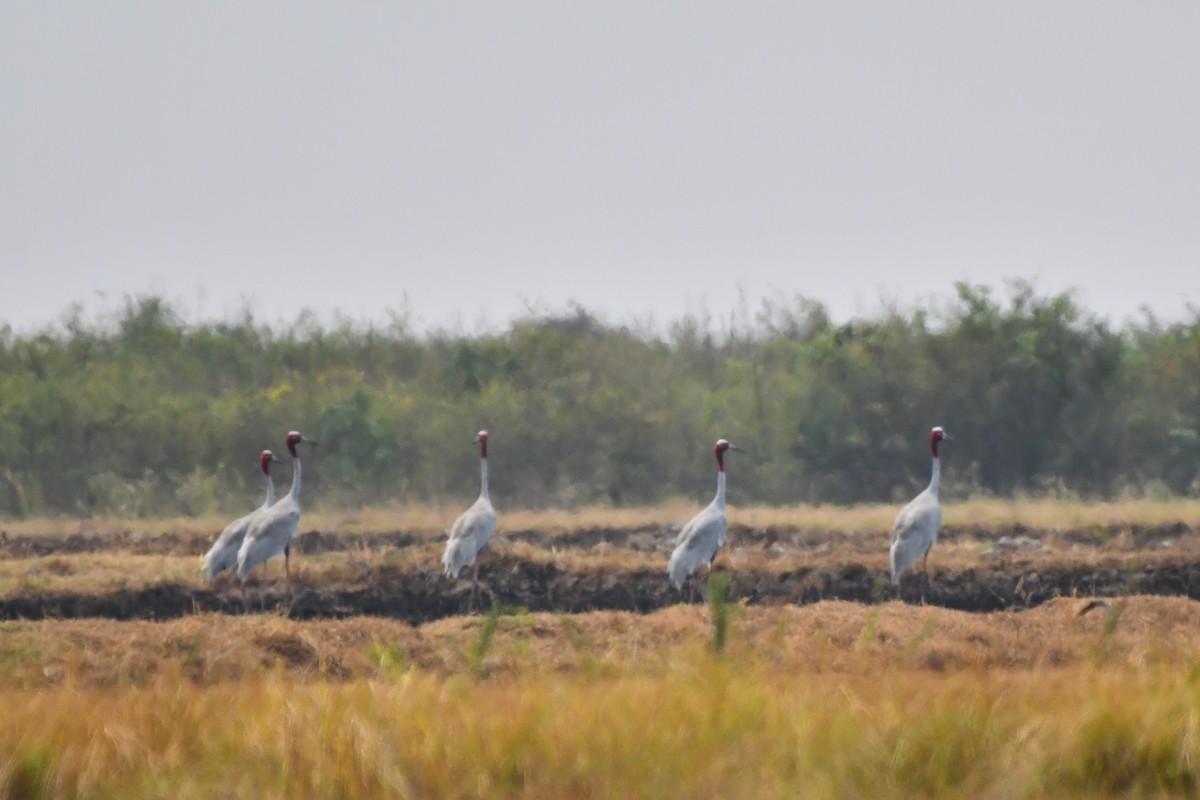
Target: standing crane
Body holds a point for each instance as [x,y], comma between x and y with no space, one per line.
[272,531]
[224,552]
[701,539]
[473,529]
[917,524]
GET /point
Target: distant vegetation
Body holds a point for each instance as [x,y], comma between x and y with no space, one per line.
[145,414]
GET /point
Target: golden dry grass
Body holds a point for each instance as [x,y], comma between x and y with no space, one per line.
[109,570]
[828,700]
[831,700]
[831,636]
[1037,513]
[834,535]
[92,572]
[1042,513]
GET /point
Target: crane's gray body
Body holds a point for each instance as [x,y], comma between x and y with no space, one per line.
[704,535]
[271,530]
[700,540]
[473,529]
[915,531]
[469,535]
[223,554]
[916,527]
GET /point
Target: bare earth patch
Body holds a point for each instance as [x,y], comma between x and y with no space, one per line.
[127,575]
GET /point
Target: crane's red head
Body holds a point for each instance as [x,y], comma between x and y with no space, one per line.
[719,451]
[481,440]
[294,438]
[265,459]
[935,436]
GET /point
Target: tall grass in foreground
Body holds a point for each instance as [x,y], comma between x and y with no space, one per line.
[719,609]
[703,727]
[483,640]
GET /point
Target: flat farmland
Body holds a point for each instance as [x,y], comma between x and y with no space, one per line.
[123,673]
[991,556]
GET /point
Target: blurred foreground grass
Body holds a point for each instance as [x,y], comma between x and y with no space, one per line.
[697,725]
[705,728]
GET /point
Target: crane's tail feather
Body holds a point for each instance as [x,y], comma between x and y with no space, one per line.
[682,564]
[904,554]
[457,557]
[217,561]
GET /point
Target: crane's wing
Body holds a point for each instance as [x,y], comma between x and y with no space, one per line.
[470,534]
[910,514]
[914,533]
[689,530]
[270,532]
[223,554]
[696,544]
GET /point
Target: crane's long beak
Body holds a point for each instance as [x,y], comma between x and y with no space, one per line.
[946,435]
[735,447]
[276,459]
[313,442]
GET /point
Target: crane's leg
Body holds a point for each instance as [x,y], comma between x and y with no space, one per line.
[474,587]
[287,570]
[245,598]
[925,567]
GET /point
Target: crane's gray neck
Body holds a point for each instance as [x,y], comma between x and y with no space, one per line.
[295,493]
[719,501]
[937,476]
[483,487]
[270,491]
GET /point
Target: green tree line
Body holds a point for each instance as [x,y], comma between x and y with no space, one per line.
[142,413]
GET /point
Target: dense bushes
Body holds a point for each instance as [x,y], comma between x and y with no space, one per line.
[146,414]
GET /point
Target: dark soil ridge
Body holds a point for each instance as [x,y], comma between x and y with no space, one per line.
[645,538]
[417,595]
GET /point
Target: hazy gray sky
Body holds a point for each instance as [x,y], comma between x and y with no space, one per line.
[642,158]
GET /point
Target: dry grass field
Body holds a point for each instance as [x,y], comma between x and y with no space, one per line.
[123,674]
[991,556]
[1035,513]
[827,700]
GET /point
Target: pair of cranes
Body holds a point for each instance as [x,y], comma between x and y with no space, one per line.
[265,532]
[913,534]
[268,531]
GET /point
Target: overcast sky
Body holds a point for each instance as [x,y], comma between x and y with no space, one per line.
[472,159]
